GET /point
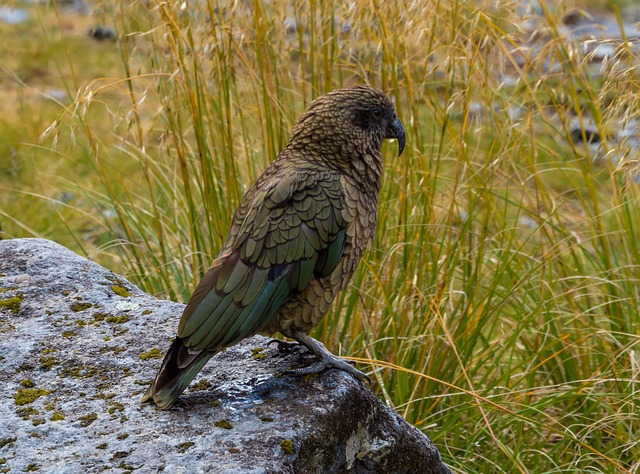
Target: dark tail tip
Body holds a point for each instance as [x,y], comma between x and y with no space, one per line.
[178,369]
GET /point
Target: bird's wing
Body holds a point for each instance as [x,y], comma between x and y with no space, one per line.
[286,232]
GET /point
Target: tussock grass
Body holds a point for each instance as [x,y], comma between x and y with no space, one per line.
[498,307]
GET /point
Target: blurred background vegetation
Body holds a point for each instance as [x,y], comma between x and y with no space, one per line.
[497,309]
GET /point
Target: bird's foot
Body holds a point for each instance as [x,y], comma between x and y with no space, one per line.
[324,360]
[330,363]
[287,348]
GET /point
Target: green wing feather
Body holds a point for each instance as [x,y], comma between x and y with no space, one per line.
[287,231]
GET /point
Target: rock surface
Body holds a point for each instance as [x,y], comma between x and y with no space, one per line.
[78,345]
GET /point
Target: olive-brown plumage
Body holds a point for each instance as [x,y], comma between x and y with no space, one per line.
[295,240]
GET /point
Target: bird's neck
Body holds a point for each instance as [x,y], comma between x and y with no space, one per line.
[367,168]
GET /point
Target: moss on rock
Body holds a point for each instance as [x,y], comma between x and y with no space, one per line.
[25,396]
[287,446]
[57,416]
[223,424]
[77,307]
[153,353]
[12,304]
[87,419]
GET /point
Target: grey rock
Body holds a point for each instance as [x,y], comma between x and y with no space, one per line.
[102,33]
[79,344]
[13,16]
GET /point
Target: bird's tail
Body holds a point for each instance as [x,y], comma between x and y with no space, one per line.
[178,369]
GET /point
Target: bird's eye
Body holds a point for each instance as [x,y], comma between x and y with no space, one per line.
[377,113]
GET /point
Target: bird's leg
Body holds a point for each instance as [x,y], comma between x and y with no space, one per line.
[325,359]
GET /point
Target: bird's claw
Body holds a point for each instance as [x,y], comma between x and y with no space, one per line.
[285,347]
[330,363]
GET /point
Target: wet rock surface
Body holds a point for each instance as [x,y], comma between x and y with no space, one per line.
[79,344]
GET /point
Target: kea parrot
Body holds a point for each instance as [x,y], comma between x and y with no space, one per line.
[295,240]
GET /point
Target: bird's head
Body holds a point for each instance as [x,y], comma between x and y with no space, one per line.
[348,122]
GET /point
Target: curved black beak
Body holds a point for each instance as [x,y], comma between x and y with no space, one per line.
[396,130]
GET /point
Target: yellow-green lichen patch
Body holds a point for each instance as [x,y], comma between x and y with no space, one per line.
[117,319]
[203,384]
[182,447]
[79,372]
[25,396]
[120,290]
[6,326]
[27,383]
[287,446]
[104,396]
[6,441]
[266,419]
[257,353]
[3,461]
[115,406]
[97,317]
[122,436]
[120,332]
[102,446]
[47,361]
[125,467]
[57,416]
[77,307]
[32,467]
[153,353]
[12,304]
[146,311]
[223,424]
[38,421]
[113,349]
[69,334]
[26,412]
[215,403]
[87,419]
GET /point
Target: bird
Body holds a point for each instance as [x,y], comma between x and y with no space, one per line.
[294,242]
